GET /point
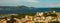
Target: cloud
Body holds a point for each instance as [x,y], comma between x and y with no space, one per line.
[54,5]
[32,1]
[7,1]
[18,1]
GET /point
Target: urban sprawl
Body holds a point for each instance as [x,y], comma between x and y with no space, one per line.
[39,17]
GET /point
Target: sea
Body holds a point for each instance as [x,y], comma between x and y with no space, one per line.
[34,10]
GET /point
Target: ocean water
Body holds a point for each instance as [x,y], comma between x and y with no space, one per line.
[26,10]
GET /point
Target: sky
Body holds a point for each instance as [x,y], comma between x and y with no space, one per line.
[31,3]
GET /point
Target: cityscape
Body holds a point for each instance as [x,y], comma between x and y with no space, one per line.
[29,15]
[29,11]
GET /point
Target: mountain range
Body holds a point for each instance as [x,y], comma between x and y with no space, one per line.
[13,9]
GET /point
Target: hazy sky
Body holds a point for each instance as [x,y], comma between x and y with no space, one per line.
[33,3]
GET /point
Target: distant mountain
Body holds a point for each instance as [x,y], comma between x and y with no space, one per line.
[25,9]
[14,7]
